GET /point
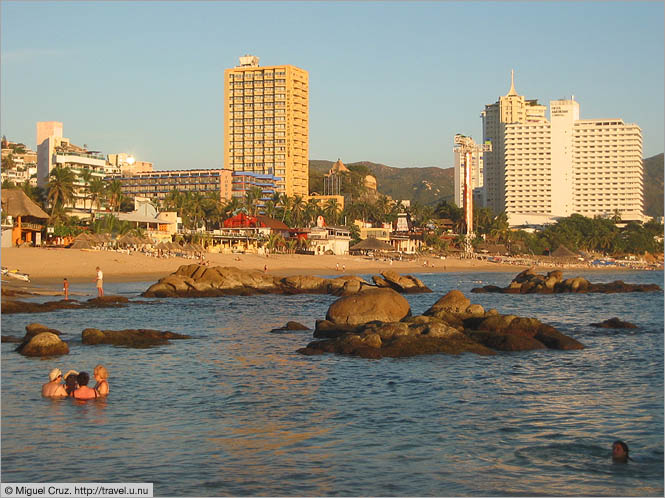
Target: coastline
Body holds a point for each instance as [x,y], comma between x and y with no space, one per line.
[48,266]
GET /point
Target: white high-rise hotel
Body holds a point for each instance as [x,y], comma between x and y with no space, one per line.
[539,169]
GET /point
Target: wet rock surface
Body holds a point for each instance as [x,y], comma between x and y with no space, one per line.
[201,281]
[132,338]
[614,323]
[290,327]
[15,306]
[530,282]
[453,325]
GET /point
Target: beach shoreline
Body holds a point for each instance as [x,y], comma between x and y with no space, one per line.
[48,267]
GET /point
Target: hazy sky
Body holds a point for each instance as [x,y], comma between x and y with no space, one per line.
[390,82]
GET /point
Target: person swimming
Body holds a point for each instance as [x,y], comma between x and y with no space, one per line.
[84,392]
[620,452]
[101,376]
[71,382]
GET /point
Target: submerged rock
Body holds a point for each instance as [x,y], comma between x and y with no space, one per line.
[614,323]
[290,327]
[529,282]
[452,325]
[13,306]
[133,338]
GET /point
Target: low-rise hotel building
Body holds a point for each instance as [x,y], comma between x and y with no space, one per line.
[157,184]
[56,151]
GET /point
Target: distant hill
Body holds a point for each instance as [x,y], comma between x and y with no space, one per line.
[430,185]
[653,185]
[423,185]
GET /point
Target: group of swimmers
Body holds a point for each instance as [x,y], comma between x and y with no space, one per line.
[76,384]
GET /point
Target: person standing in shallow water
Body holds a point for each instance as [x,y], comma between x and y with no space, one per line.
[620,452]
[100,282]
[65,289]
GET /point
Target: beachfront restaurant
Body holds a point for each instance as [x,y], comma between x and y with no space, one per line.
[243,233]
[22,219]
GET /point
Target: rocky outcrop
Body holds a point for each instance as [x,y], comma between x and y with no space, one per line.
[15,306]
[43,344]
[289,327]
[452,325]
[383,305]
[614,323]
[406,284]
[529,282]
[202,281]
[132,338]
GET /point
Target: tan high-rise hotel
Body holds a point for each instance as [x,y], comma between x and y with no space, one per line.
[266,123]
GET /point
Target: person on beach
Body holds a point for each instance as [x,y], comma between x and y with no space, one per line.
[620,452]
[84,392]
[65,289]
[71,382]
[53,388]
[100,282]
[101,376]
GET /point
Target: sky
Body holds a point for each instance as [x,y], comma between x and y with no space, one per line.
[390,82]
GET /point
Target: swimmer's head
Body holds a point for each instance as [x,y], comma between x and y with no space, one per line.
[619,451]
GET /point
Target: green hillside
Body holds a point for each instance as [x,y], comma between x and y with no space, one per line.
[653,185]
[430,185]
[423,185]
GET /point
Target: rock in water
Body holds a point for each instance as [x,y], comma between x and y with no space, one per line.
[289,327]
[384,305]
[132,338]
[614,323]
[43,344]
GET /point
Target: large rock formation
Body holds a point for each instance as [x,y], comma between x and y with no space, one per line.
[530,282]
[43,344]
[452,325]
[132,338]
[383,305]
[202,281]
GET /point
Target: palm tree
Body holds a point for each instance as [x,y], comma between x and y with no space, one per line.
[311,212]
[331,211]
[114,195]
[60,187]
[252,196]
[297,210]
[97,187]
[285,202]
[270,208]
[85,175]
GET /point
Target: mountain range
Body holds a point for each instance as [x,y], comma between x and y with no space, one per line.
[431,185]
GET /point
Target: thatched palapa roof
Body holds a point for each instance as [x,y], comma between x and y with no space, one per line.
[372,244]
[563,252]
[16,203]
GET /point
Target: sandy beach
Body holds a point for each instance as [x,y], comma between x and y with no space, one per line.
[50,266]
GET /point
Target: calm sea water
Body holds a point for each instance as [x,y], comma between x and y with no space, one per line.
[235,411]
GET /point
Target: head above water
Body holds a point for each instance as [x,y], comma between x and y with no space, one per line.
[54,374]
[619,451]
[83,378]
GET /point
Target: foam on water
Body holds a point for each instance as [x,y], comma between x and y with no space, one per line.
[235,411]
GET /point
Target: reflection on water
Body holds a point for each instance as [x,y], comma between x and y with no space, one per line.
[235,411]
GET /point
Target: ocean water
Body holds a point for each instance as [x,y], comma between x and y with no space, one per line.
[235,411]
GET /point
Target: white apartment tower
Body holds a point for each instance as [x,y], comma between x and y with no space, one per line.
[509,109]
[542,169]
